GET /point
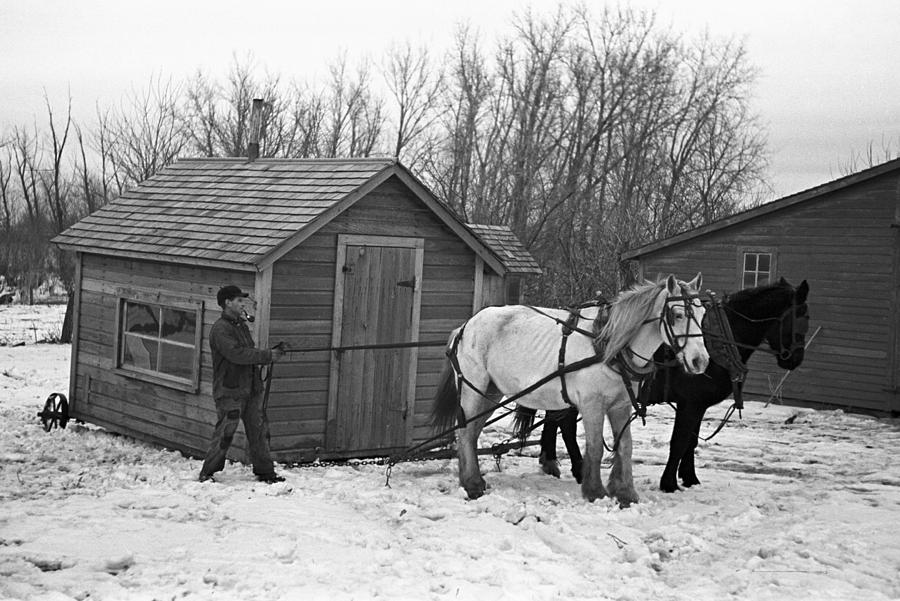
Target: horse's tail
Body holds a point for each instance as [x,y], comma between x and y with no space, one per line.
[524,422]
[445,411]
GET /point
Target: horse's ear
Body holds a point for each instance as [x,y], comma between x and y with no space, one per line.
[696,282]
[802,292]
[671,285]
[783,281]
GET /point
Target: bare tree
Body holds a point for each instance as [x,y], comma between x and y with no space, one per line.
[415,84]
[55,186]
[354,116]
[202,114]
[304,123]
[91,198]
[870,156]
[112,178]
[146,130]
[8,206]
[590,134]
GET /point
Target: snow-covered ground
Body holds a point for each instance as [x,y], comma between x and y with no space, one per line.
[20,324]
[803,510]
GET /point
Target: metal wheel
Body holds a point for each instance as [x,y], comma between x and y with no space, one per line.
[55,412]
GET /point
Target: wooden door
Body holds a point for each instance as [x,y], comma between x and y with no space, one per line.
[372,391]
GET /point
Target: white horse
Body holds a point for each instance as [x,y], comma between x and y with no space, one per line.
[503,350]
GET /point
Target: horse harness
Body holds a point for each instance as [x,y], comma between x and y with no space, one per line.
[461,379]
[722,347]
[619,363]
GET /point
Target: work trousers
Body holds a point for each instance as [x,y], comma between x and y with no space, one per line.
[230,412]
[567,422]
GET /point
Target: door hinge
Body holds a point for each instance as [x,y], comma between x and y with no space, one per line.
[408,283]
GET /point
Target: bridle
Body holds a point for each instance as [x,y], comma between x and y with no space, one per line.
[678,342]
[799,327]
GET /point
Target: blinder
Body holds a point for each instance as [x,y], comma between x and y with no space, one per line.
[799,328]
[678,341]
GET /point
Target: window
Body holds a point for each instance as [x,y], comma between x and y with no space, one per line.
[758,269]
[160,342]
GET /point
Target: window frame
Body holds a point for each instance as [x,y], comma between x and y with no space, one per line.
[756,250]
[165,301]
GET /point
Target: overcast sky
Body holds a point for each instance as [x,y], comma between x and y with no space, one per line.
[828,83]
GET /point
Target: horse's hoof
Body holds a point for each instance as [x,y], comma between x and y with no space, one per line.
[666,486]
[475,492]
[474,488]
[687,483]
[576,473]
[549,466]
[592,495]
[627,498]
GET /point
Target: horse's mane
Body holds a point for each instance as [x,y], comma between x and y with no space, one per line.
[627,314]
[748,299]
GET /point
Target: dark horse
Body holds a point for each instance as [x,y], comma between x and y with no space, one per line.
[776,313]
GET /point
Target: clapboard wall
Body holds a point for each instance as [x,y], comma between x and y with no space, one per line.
[843,243]
[161,414]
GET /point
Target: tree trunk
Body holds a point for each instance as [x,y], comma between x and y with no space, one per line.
[66,334]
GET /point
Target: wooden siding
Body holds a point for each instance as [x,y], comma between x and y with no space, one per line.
[302,305]
[493,290]
[844,246]
[156,413]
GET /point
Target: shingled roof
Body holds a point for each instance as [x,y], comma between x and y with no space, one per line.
[507,246]
[234,213]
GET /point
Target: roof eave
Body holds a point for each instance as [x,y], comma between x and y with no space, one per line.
[766,209]
[193,261]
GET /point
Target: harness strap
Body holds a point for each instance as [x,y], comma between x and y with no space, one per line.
[570,322]
[630,376]
[568,327]
[454,362]
[724,351]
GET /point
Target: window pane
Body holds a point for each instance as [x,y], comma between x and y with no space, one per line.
[749,280]
[176,360]
[749,262]
[139,352]
[179,326]
[141,318]
[764,261]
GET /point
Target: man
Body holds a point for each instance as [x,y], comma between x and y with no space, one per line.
[237,388]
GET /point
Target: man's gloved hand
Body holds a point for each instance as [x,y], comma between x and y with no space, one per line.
[278,352]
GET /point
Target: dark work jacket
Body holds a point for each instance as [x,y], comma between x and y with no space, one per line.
[235,359]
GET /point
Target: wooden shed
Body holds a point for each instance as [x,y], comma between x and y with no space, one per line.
[334,252]
[507,288]
[843,238]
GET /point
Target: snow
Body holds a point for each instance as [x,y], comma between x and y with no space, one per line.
[800,510]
